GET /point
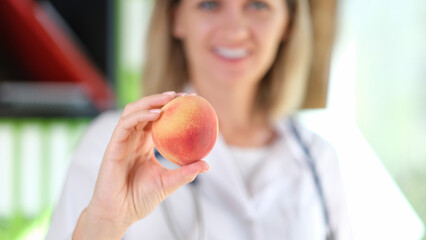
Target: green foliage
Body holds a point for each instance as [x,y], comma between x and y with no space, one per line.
[20,227]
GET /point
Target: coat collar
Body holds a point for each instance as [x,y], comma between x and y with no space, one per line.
[224,183]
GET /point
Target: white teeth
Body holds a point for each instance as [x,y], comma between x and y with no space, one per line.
[231,53]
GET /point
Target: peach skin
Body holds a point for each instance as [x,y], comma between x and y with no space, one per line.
[186,130]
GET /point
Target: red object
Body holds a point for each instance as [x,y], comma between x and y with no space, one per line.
[45,51]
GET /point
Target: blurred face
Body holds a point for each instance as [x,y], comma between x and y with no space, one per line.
[230,41]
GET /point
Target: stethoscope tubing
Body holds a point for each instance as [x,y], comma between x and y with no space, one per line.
[315,175]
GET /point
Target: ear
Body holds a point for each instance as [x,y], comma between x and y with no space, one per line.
[178,29]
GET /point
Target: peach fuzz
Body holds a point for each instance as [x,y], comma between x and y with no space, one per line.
[186,130]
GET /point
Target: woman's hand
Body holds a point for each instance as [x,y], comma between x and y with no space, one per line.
[131,182]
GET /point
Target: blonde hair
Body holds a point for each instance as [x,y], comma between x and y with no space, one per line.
[280,92]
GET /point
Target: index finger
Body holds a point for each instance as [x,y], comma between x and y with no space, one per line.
[150,102]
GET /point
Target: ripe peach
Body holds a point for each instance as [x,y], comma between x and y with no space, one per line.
[186,130]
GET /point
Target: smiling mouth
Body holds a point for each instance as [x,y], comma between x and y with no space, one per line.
[231,53]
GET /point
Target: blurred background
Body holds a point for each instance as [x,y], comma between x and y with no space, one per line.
[64,62]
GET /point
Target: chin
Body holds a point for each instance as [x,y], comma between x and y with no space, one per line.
[234,80]
[230,75]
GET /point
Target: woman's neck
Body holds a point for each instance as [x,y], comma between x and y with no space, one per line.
[238,123]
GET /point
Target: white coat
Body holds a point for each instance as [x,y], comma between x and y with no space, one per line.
[283,202]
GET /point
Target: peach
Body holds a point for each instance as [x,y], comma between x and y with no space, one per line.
[186,130]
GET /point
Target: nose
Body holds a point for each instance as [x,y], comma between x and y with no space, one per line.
[234,27]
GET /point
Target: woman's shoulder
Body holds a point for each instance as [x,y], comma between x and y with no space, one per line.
[106,119]
[103,125]
[96,138]
[304,137]
[295,127]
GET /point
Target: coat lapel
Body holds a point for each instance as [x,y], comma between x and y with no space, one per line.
[223,182]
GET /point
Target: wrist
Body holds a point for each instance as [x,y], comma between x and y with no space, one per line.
[93,224]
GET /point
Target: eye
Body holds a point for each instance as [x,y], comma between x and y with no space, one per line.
[208,5]
[258,5]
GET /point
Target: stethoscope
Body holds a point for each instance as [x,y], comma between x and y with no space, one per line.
[199,215]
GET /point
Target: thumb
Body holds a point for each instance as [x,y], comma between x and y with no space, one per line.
[176,178]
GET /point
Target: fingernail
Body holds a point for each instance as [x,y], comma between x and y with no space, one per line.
[155,111]
[192,94]
[181,94]
[205,169]
[171,93]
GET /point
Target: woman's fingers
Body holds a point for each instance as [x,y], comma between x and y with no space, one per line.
[129,123]
[152,102]
[119,149]
[176,178]
[149,102]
